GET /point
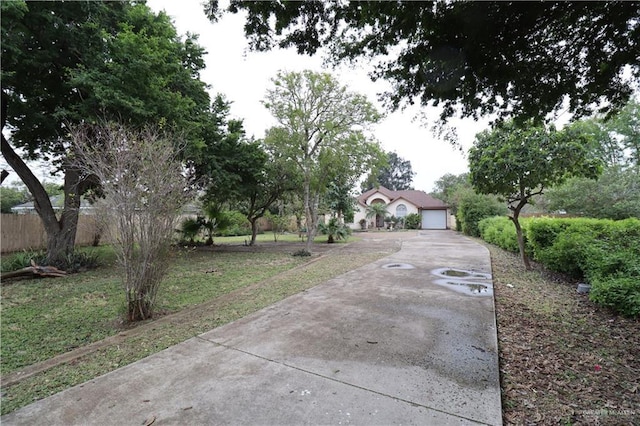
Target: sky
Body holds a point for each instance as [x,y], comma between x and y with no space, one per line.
[244,76]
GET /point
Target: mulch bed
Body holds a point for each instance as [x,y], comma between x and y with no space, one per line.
[563,360]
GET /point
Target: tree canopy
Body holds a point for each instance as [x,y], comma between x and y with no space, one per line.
[321,131]
[87,62]
[447,188]
[519,162]
[520,59]
[615,194]
[396,174]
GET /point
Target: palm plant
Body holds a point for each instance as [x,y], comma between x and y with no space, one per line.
[334,229]
[376,210]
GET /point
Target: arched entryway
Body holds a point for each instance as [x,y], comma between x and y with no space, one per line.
[379,218]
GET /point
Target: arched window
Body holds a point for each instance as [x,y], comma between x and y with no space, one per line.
[401,210]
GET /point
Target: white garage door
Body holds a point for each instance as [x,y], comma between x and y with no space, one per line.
[434,219]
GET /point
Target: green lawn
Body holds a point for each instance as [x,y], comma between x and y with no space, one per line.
[42,318]
[45,317]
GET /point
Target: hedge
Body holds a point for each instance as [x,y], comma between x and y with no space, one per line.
[605,253]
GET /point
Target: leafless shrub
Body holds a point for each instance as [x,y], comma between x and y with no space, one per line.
[144,189]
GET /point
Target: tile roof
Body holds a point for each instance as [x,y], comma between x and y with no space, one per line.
[420,199]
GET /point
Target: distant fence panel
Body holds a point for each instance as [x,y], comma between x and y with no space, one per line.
[26,232]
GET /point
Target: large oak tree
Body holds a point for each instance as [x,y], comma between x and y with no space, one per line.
[65,63]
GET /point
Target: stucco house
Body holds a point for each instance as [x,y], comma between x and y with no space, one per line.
[434,212]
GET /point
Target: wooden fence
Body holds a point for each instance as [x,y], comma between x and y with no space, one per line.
[25,232]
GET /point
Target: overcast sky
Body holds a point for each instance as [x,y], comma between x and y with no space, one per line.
[244,76]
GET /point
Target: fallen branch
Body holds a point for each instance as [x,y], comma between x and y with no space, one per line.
[34,270]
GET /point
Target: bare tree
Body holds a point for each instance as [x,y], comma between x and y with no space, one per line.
[143,188]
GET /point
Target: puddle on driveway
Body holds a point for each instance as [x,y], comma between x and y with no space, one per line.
[398,266]
[460,273]
[474,289]
[462,281]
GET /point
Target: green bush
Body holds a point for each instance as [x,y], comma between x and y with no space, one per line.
[234,231]
[412,221]
[604,252]
[586,248]
[542,232]
[499,230]
[475,207]
[72,263]
[335,230]
[619,294]
[22,259]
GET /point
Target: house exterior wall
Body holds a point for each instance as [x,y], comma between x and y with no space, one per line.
[361,211]
[411,208]
[359,214]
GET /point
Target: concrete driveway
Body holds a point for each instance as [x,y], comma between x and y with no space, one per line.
[409,339]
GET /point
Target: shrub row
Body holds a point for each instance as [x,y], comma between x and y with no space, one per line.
[605,253]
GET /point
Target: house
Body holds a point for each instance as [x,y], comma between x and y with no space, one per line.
[434,212]
[57,202]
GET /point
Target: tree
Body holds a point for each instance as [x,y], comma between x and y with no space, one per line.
[140,205]
[520,162]
[626,127]
[396,175]
[269,178]
[614,195]
[16,193]
[104,60]
[520,59]
[340,201]
[448,187]
[240,172]
[12,196]
[321,131]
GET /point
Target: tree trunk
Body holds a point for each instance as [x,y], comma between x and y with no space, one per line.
[139,309]
[254,230]
[312,220]
[516,223]
[308,212]
[61,234]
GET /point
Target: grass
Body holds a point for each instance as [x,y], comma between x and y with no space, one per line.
[550,338]
[42,318]
[205,289]
[268,237]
